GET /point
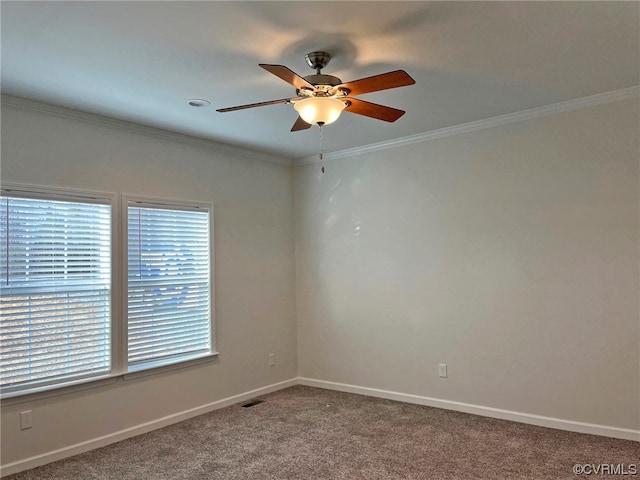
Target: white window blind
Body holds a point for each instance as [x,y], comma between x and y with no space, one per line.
[169,286]
[55,274]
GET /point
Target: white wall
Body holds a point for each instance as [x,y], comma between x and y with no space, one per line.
[510,253]
[254,270]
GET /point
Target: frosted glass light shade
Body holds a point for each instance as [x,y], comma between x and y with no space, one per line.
[320,110]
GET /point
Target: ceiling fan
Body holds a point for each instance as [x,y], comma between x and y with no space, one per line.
[321,98]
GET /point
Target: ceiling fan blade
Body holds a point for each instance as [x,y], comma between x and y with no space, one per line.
[384,81]
[373,110]
[288,76]
[300,125]
[259,104]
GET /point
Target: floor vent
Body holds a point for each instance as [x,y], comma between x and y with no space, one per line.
[251,404]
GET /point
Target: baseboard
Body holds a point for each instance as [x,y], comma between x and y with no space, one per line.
[557,423]
[568,425]
[98,442]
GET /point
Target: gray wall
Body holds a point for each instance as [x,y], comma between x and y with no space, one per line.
[510,253]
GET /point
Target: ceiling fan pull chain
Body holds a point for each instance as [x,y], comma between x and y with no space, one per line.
[321,149]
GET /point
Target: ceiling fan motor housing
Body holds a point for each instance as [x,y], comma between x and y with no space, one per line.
[321,79]
[319,60]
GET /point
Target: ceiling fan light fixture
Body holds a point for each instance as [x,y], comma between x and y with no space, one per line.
[319,110]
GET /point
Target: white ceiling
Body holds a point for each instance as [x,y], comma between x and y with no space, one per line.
[141,61]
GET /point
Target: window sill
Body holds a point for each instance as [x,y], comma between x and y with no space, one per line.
[68,388]
[50,391]
[149,370]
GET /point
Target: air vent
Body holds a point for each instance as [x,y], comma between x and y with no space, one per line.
[198,102]
[252,403]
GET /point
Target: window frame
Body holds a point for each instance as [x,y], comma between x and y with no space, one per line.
[38,192]
[187,360]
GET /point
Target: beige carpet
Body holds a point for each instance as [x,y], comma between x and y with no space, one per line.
[310,433]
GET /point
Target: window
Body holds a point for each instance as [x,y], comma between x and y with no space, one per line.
[58,324]
[55,296]
[169,287]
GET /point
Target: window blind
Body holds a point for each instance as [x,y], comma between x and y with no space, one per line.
[55,302]
[168,285]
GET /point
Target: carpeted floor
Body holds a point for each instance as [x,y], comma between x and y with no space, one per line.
[308,433]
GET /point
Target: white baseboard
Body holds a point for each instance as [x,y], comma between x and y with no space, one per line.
[98,442]
[557,423]
[579,427]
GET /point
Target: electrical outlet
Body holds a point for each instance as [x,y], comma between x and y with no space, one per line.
[272,359]
[26,421]
[442,370]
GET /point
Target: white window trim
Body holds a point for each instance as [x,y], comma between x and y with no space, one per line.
[180,362]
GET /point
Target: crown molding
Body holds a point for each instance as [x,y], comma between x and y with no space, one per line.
[25,104]
[538,112]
